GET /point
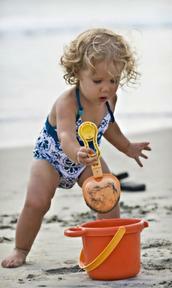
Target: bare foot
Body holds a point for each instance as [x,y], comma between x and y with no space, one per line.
[16,259]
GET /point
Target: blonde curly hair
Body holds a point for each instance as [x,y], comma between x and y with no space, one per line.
[95,45]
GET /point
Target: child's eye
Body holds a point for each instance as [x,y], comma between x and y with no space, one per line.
[97,81]
[114,81]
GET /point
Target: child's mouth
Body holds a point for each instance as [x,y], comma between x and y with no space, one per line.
[103,98]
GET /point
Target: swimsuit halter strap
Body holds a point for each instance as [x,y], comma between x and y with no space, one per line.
[110,112]
[81,110]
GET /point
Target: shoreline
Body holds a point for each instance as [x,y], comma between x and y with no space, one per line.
[20,143]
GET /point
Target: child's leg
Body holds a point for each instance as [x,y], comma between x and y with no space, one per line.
[41,188]
[115,212]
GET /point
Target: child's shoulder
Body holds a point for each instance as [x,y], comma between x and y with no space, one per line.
[65,104]
[66,97]
[66,100]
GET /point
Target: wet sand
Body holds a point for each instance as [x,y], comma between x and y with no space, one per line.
[53,261]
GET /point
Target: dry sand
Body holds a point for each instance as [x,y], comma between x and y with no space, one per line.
[53,259]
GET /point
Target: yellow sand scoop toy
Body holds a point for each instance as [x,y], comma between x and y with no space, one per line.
[100,191]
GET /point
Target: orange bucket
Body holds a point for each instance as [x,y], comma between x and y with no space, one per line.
[111,247]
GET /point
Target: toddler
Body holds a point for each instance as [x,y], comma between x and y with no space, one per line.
[95,64]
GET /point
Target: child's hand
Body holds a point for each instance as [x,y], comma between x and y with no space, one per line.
[134,150]
[86,156]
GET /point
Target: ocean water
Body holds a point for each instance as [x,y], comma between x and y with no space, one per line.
[32,37]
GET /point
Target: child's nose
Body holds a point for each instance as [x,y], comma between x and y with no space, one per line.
[106,88]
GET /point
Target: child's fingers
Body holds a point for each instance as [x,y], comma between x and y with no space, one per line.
[90,161]
[91,152]
[147,148]
[86,156]
[143,156]
[87,161]
[139,162]
[82,154]
[88,151]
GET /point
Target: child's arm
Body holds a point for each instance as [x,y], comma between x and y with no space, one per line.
[66,130]
[114,135]
[134,150]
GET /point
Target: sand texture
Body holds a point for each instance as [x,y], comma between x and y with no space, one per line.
[53,259]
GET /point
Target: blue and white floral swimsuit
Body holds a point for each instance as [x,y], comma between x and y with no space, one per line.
[48,147]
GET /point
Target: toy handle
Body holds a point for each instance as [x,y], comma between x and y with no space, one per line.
[105,253]
[74,231]
[97,169]
[145,223]
[88,133]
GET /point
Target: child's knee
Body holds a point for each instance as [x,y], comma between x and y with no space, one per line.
[40,206]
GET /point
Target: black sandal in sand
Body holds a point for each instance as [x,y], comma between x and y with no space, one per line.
[129,185]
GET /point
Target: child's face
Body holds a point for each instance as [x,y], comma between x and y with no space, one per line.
[99,86]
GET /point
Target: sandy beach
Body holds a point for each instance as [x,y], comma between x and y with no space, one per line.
[32,37]
[53,261]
